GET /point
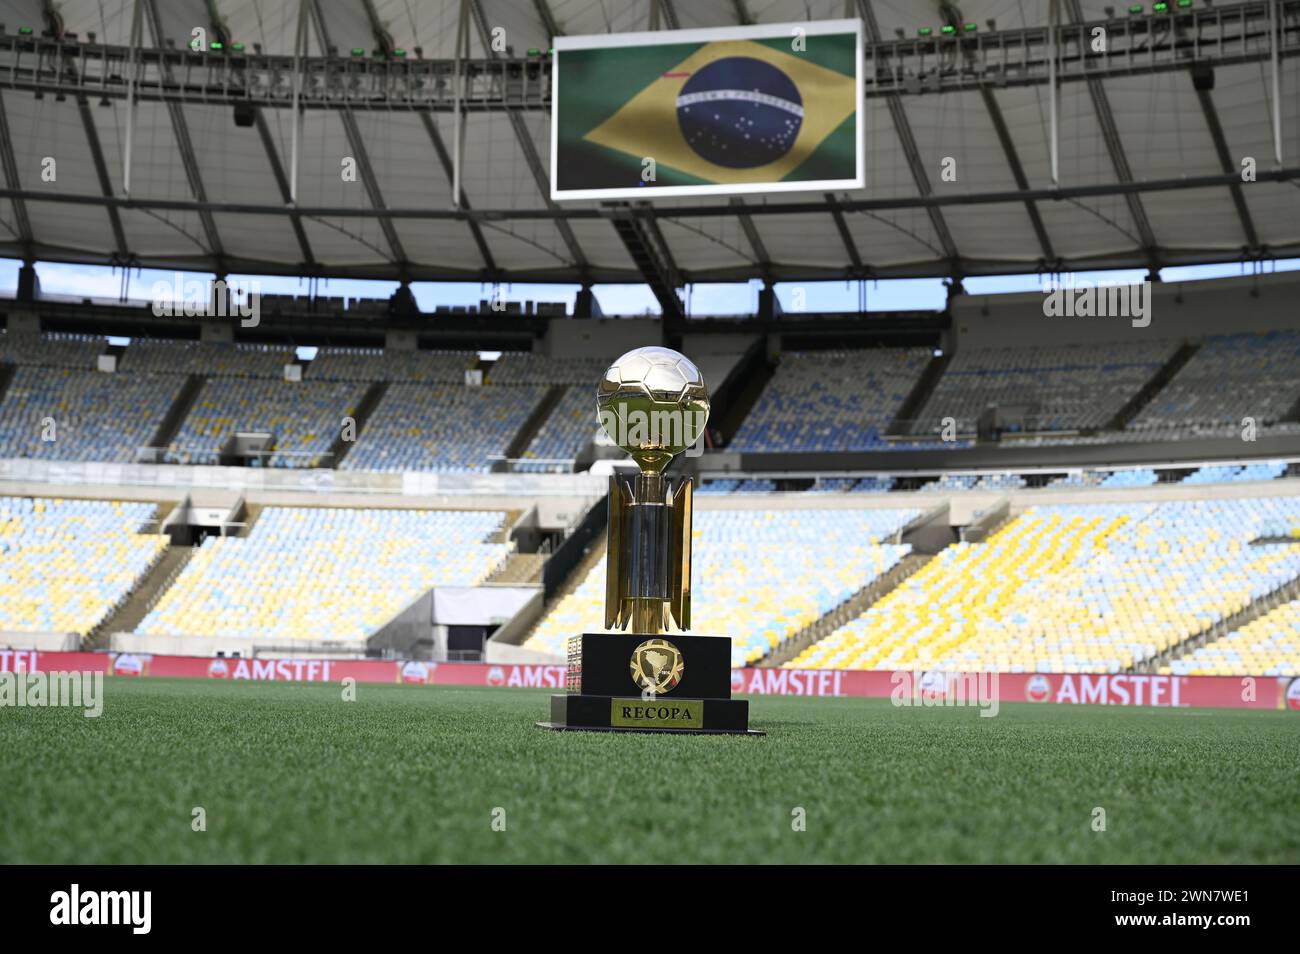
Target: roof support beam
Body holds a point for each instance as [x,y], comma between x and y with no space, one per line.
[54,25]
[185,146]
[216,24]
[105,182]
[952,15]
[646,246]
[667,12]
[1018,173]
[10,166]
[548,18]
[529,148]
[904,129]
[444,157]
[383,38]
[282,182]
[742,13]
[755,240]
[1226,163]
[356,143]
[842,226]
[1110,134]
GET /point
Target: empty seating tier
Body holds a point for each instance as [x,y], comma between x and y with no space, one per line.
[315,573]
[1267,646]
[1078,387]
[1086,588]
[831,401]
[65,565]
[442,428]
[69,414]
[1229,379]
[304,418]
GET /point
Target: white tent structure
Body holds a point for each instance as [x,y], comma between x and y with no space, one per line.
[1148,141]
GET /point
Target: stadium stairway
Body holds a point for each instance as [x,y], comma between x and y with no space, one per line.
[365,407]
[920,394]
[148,590]
[732,406]
[519,569]
[180,409]
[528,430]
[1260,607]
[571,583]
[854,606]
[1153,387]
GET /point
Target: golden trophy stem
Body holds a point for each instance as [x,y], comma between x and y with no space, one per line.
[648,561]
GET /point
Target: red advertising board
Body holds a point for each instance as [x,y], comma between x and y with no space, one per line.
[1117,689]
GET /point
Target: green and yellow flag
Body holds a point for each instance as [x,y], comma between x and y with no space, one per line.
[746,113]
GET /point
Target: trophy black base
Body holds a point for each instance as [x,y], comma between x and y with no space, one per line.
[662,714]
[691,675]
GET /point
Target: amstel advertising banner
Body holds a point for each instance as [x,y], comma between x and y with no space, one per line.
[1120,689]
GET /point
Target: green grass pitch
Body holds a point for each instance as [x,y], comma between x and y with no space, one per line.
[292,773]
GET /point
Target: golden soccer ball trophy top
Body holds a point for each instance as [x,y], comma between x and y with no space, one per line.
[652,402]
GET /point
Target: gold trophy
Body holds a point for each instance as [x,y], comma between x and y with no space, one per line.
[652,403]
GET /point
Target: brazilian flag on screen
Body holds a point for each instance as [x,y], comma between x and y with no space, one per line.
[735,112]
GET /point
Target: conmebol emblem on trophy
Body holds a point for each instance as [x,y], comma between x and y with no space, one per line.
[653,403]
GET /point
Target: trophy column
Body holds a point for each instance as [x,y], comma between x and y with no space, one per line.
[648,563]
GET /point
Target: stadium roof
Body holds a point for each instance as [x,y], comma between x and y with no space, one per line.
[1149,165]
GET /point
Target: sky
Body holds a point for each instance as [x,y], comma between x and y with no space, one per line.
[102,282]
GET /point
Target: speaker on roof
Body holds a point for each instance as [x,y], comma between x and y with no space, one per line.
[245,114]
[1202,76]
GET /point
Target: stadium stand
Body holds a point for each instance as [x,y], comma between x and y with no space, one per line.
[1074,388]
[1079,588]
[376,364]
[950,482]
[566,431]
[213,358]
[51,350]
[316,573]
[528,367]
[1138,477]
[305,417]
[770,573]
[1266,646]
[723,486]
[831,401]
[442,428]
[1084,478]
[91,415]
[1231,377]
[65,565]
[1223,474]
[828,485]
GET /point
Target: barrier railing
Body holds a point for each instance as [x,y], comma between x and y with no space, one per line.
[200,477]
